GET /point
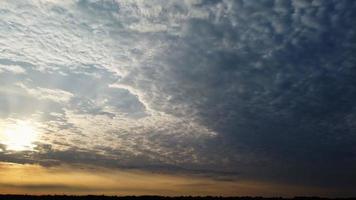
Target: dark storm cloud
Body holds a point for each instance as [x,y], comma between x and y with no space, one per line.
[275,79]
[289,104]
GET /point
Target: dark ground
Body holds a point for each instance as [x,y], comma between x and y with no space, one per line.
[64,197]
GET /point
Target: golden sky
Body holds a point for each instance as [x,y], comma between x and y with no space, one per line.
[35,179]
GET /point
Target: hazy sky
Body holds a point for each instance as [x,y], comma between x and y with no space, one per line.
[218,97]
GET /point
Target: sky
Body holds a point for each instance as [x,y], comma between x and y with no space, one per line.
[178,97]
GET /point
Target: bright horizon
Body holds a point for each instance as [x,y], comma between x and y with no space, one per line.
[92,180]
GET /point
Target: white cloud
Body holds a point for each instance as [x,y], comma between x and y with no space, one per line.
[13,69]
[56,95]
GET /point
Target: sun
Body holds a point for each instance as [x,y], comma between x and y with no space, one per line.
[18,136]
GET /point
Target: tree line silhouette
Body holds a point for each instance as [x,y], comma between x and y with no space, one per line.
[98,197]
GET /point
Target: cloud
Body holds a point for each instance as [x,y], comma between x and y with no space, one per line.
[56,95]
[257,88]
[46,187]
[266,76]
[12,68]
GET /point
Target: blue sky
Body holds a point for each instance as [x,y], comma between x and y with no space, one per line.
[241,90]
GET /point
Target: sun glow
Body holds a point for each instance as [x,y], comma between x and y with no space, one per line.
[18,136]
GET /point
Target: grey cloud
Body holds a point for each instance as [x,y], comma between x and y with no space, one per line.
[2,147]
[52,187]
[272,78]
[46,156]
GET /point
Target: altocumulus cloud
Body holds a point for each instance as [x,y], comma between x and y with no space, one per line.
[260,89]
